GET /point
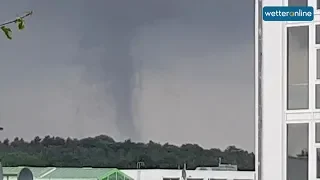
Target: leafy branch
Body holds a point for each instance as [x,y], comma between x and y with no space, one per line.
[19,21]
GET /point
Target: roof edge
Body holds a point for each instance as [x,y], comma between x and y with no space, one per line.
[108,173]
[48,172]
[114,170]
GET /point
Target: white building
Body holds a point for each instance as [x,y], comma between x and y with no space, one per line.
[60,173]
[163,174]
[290,96]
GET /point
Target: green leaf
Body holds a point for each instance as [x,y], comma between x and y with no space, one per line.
[7,31]
[20,23]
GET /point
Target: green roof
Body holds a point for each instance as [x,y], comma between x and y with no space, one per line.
[82,173]
[36,171]
[69,173]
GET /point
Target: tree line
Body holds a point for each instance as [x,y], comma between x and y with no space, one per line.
[104,151]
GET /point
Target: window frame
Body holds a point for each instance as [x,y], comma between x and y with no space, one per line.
[316,144]
[304,115]
[313,60]
[310,147]
[286,3]
[285,67]
[314,3]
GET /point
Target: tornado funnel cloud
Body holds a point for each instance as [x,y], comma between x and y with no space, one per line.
[122,95]
[120,72]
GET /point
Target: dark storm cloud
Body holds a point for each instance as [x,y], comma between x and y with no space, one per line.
[135,69]
[119,21]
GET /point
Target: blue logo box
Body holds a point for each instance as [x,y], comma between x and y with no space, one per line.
[288,13]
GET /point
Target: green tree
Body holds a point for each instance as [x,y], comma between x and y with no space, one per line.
[104,151]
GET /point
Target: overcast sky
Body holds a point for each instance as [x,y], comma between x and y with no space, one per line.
[169,71]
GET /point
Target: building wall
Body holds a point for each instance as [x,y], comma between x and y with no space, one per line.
[291,85]
[272,114]
[159,174]
[10,178]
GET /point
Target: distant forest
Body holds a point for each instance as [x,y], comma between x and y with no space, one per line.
[103,151]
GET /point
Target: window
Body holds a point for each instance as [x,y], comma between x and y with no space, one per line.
[298,96]
[318,69]
[318,4]
[318,96]
[317,133]
[318,163]
[297,151]
[113,176]
[297,2]
[318,63]
[318,34]
[298,68]
[120,176]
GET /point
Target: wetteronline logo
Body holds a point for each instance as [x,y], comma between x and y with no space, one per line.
[288,13]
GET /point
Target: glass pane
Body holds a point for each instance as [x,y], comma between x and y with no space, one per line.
[298,54]
[317,34]
[318,163]
[318,4]
[317,132]
[298,67]
[298,97]
[120,176]
[297,151]
[318,96]
[318,63]
[297,2]
[113,176]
